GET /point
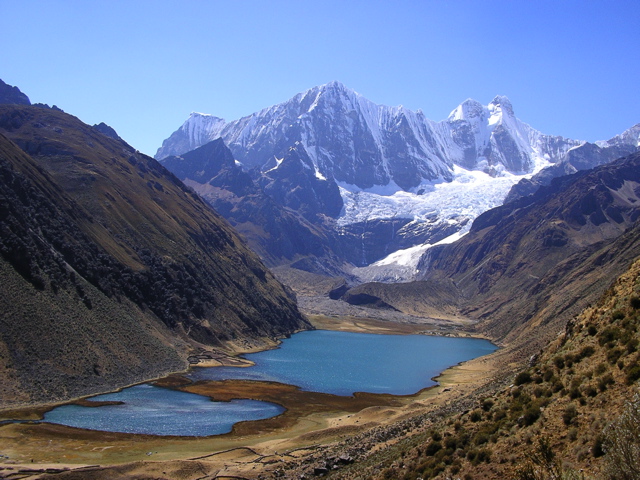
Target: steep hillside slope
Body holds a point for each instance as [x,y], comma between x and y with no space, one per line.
[527,266]
[275,230]
[12,95]
[561,417]
[111,267]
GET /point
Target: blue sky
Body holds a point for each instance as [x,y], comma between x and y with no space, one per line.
[569,67]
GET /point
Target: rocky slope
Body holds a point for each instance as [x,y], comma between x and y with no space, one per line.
[12,95]
[113,270]
[278,225]
[525,267]
[573,412]
[584,157]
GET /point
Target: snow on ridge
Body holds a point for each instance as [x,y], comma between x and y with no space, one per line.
[471,193]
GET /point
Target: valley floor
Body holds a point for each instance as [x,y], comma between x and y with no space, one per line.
[314,427]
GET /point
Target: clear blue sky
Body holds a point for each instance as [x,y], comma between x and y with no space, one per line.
[569,67]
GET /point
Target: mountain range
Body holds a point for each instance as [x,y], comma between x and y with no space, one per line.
[115,268]
[405,182]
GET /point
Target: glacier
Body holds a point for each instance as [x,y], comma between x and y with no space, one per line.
[390,162]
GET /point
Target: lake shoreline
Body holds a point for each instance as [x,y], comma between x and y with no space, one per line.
[298,430]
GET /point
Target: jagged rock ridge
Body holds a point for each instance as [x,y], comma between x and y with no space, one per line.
[404,180]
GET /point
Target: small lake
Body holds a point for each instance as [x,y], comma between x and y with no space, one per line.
[161,411]
[338,363]
[343,363]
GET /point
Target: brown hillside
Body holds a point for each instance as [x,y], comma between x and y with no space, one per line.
[111,266]
[554,421]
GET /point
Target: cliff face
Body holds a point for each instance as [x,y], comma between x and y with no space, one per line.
[112,270]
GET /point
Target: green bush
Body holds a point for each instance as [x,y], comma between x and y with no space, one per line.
[432,448]
[487,403]
[475,416]
[605,381]
[601,368]
[609,335]
[614,355]
[586,351]
[617,315]
[530,415]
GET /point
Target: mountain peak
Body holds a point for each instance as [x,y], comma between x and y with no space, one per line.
[12,95]
[337,88]
[468,109]
[503,103]
[206,115]
[335,85]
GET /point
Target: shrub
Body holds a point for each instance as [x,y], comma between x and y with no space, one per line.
[614,355]
[530,415]
[597,449]
[475,416]
[634,302]
[608,335]
[633,374]
[522,378]
[605,381]
[622,444]
[570,412]
[590,391]
[484,455]
[574,393]
[432,448]
[617,315]
[601,368]
[487,403]
[586,351]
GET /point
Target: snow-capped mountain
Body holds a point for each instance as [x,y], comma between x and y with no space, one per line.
[356,142]
[404,179]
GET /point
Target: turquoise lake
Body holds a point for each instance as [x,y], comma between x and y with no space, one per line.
[339,363]
[344,363]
